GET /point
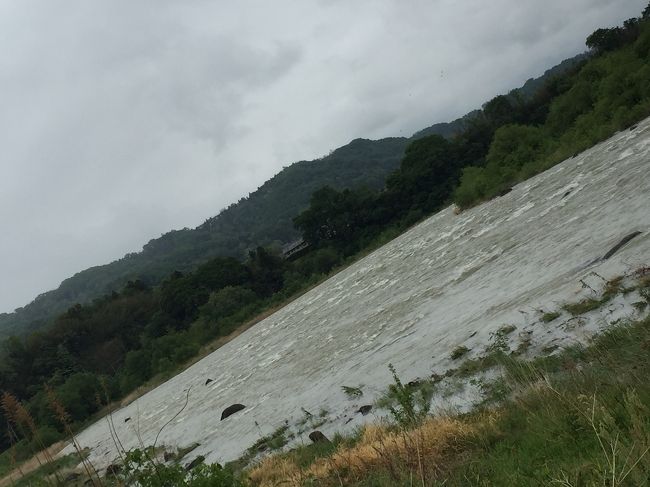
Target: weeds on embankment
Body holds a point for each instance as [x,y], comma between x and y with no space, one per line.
[577,418]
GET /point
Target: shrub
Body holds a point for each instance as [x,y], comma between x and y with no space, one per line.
[141,470]
[458,352]
[550,316]
[352,392]
[408,412]
[583,306]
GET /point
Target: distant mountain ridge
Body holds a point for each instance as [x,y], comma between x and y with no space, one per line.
[264,217]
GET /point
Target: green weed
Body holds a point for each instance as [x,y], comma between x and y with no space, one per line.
[459,352]
[352,392]
[550,316]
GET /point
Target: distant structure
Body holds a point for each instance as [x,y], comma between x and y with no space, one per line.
[294,248]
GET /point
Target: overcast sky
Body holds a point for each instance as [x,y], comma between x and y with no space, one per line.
[121,120]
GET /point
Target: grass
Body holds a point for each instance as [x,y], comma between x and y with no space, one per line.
[583,413]
[493,391]
[459,352]
[53,472]
[422,391]
[38,476]
[550,316]
[524,345]
[352,392]
[310,421]
[378,448]
[612,288]
[272,442]
[550,349]
[584,306]
[500,339]
[479,364]
[496,353]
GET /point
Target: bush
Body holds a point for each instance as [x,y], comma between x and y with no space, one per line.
[78,395]
[409,412]
[140,470]
[550,316]
[458,352]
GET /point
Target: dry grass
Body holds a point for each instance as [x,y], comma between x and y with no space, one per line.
[276,470]
[33,463]
[423,452]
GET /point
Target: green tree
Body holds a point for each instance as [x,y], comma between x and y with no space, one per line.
[227,301]
[266,269]
[180,298]
[141,469]
[603,40]
[515,145]
[78,395]
[219,273]
[335,216]
[427,175]
[499,110]
[137,368]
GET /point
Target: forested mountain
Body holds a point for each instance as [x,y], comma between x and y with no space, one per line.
[262,218]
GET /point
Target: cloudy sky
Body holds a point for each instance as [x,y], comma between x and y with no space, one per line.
[124,119]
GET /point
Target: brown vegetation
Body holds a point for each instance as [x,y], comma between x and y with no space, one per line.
[424,452]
